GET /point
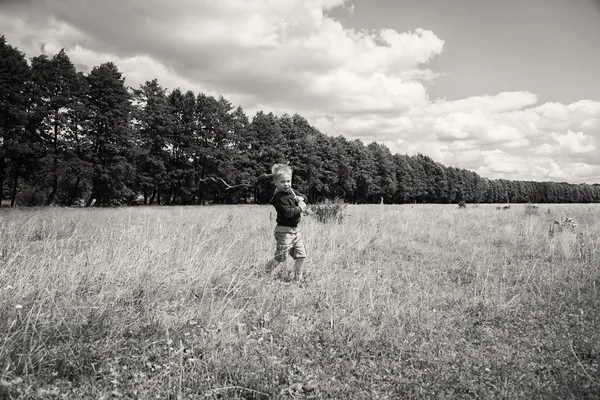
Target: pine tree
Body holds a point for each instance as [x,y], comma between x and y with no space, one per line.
[55,88]
[405,180]
[183,109]
[364,171]
[14,142]
[345,180]
[77,163]
[153,125]
[266,146]
[384,180]
[109,135]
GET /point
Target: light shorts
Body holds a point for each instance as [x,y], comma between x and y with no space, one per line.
[289,241]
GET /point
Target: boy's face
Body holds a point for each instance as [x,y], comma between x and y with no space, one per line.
[283,183]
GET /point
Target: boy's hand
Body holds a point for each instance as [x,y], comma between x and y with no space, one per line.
[301,204]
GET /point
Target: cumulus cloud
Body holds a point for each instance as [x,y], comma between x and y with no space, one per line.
[498,139]
[573,142]
[286,53]
[291,56]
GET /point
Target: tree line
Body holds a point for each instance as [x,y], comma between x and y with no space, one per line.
[74,138]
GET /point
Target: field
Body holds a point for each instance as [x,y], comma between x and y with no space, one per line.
[410,301]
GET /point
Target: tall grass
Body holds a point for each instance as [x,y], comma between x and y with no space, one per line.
[424,301]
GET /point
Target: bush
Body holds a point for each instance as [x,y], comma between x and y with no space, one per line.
[329,211]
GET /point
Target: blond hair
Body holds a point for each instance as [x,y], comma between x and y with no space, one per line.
[281,169]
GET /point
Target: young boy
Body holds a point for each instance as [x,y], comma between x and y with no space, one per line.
[289,205]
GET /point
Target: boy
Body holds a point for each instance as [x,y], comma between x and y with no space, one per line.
[289,205]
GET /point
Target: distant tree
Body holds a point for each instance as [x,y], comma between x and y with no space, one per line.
[183,108]
[404,179]
[153,128]
[457,187]
[109,135]
[214,145]
[14,146]
[65,136]
[436,185]
[346,180]
[78,165]
[217,128]
[266,146]
[384,174]
[595,192]
[318,167]
[330,154]
[421,180]
[313,156]
[56,88]
[481,191]
[239,144]
[363,166]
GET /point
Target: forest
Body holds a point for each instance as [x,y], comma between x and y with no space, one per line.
[69,137]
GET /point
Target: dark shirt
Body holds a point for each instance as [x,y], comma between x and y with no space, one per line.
[288,212]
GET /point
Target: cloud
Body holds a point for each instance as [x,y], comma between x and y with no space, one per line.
[288,53]
[571,142]
[583,114]
[135,69]
[291,56]
[499,139]
[460,125]
[503,101]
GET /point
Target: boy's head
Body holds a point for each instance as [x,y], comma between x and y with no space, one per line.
[282,177]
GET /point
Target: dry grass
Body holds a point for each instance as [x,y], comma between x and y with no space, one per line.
[424,301]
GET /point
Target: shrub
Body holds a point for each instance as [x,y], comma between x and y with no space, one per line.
[328,211]
[462,204]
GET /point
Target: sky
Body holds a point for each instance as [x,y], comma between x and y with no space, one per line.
[506,88]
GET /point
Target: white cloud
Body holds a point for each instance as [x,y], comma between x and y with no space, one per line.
[574,142]
[324,124]
[460,125]
[581,115]
[286,53]
[290,56]
[135,69]
[504,101]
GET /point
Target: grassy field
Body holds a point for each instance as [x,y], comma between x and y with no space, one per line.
[423,301]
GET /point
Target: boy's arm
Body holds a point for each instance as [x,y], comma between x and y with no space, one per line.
[298,194]
[286,208]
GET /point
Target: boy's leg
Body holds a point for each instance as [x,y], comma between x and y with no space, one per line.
[282,248]
[298,269]
[271,265]
[299,254]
